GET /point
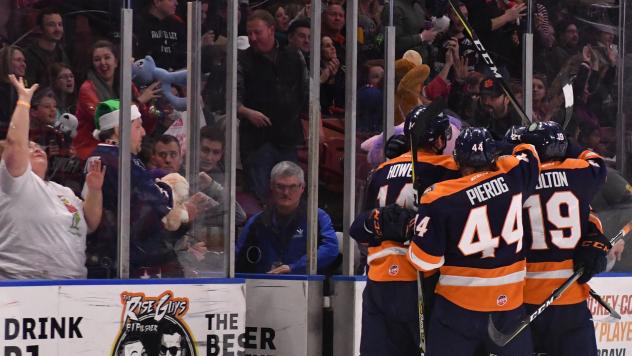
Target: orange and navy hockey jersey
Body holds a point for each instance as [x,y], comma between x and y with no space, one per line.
[556,217]
[470,228]
[392,183]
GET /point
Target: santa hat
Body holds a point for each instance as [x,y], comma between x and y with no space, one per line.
[106,116]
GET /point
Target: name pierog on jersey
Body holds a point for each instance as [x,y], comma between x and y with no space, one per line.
[496,187]
[487,190]
[401,170]
[552,180]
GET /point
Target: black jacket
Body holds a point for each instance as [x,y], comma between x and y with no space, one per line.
[278,88]
[164,40]
[39,60]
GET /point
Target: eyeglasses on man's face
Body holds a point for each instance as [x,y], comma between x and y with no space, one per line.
[291,188]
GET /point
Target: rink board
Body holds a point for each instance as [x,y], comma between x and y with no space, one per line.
[614,338]
[119,317]
[286,313]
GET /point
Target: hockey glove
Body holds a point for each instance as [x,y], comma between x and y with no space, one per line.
[390,223]
[514,134]
[591,254]
[396,146]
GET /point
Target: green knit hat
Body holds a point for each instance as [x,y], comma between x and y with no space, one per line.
[106,116]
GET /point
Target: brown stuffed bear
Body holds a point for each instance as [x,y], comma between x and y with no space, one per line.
[408,94]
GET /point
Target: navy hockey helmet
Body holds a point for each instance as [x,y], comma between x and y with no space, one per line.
[548,138]
[427,123]
[475,148]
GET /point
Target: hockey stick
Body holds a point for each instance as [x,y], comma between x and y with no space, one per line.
[501,339]
[490,63]
[415,129]
[569,101]
[606,305]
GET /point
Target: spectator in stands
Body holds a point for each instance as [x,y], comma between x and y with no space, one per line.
[495,112]
[605,55]
[454,70]
[63,84]
[151,245]
[332,79]
[584,69]
[47,49]
[455,33]
[282,23]
[212,164]
[409,19]
[168,154]
[299,36]
[466,100]
[160,33]
[541,108]
[202,251]
[271,129]
[496,25]
[275,240]
[589,136]
[43,108]
[214,26]
[11,62]
[43,225]
[101,85]
[370,103]
[567,46]
[333,22]
[63,167]
[43,114]
[212,152]
[370,28]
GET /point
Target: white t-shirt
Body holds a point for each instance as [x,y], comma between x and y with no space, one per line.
[42,229]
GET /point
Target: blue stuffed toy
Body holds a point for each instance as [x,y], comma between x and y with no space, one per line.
[145,72]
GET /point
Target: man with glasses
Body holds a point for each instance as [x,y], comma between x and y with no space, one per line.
[274,240]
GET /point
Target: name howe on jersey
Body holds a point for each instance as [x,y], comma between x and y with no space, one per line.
[392,183]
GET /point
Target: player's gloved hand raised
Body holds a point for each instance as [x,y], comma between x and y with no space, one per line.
[514,134]
[391,223]
[591,254]
[396,146]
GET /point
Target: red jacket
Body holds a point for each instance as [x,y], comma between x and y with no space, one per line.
[84,143]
